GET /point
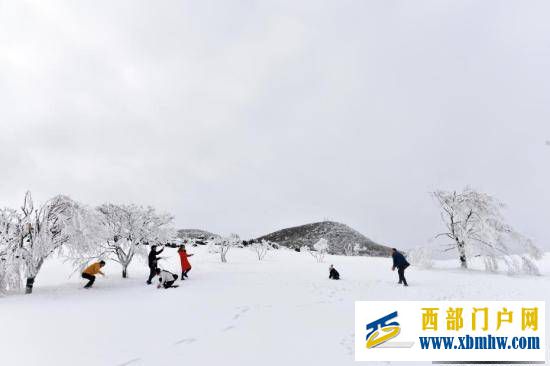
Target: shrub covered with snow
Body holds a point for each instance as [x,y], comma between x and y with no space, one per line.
[421,256]
[261,248]
[320,249]
[222,245]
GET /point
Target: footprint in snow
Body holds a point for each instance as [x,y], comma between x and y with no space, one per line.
[129,362]
[242,310]
[186,341]
[348,344]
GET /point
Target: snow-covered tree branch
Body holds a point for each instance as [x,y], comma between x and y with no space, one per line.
[261,248]
[10,227]
[351,248]
[30,236]
[476,228]
[319,251]
[223,245]
[128,229]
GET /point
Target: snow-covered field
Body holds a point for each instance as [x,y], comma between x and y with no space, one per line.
[281,311]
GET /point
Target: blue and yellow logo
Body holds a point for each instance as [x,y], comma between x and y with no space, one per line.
[381,331]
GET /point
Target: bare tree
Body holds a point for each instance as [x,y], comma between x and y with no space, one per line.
[261,248]
[476,228]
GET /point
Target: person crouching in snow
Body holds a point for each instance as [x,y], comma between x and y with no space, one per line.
[185,265]
[333,273]
[91,271]
[166,278]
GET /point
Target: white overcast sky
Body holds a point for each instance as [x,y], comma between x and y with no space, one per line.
[251,116]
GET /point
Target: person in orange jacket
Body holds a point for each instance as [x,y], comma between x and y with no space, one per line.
[185,265]
[90,272]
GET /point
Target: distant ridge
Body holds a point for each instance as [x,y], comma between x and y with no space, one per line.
[337,234]
[195,234]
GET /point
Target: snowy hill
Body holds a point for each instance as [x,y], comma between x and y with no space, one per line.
[195,234]
[241,313]
[337,234]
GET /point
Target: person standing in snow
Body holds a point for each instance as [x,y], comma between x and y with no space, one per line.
[185,265]
[401,264]
[153,262]
[91,271]
[166,278]
[333,273]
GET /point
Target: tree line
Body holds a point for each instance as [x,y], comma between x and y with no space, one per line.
[78,233]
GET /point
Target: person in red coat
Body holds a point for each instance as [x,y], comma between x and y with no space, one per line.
[185,265]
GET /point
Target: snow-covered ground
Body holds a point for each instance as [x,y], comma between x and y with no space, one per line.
[281,311]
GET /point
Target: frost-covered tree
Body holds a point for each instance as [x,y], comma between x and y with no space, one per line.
[222,245]
[226,244]
[421,256]
[351,249]
[261,248]
[128,230]
[476,228]
[10,232]
[213,246]
[55,226]
[348,249]
[320,249]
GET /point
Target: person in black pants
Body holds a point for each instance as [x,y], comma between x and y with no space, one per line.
[153,262]
[333,273]
[166,278]
[401,264]
[91,271]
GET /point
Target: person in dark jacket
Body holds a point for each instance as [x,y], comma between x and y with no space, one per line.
[401,264]
[153,262]
[333,273]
